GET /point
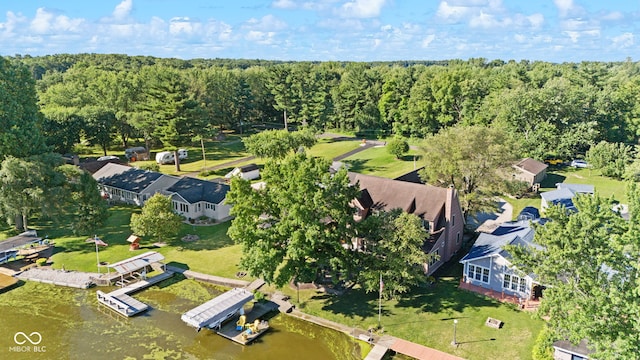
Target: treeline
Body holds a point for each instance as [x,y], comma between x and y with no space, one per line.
[549,109]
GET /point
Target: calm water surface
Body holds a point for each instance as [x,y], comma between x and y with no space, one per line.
[72,325]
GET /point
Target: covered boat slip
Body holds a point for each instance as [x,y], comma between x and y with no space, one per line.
[216,311]
[132,273]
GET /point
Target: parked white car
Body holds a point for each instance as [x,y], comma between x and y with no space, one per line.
[579,164]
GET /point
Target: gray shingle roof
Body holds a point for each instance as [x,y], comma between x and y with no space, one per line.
[196,190]
[513,233]
[126,178]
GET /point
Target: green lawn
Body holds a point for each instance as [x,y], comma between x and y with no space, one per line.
[426,317]
[604,186]
[377,161]
[329,148]
[213,253]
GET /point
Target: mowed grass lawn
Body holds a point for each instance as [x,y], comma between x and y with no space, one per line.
[213,253]
[604,186]
[330,148]
[426,316]
[377,161]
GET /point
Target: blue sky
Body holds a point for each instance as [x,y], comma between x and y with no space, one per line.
[350,30]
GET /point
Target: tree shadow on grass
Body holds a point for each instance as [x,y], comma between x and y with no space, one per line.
[355,302]
[552,179]
[360,165]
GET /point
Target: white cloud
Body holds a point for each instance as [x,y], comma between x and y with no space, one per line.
[123,9]
[261,37]
[613,16]
[453,12]
[536,20]
[46,22]
[623,41]
[265,23]
[12,22]
[362,8]
[428,40]
[564,6]
[283,4]
[184,25]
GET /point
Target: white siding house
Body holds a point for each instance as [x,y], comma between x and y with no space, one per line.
[194,198]
[131,185]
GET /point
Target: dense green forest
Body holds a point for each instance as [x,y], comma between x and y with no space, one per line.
[549,109]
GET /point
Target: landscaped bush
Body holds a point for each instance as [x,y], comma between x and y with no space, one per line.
[41,261]
[259,296]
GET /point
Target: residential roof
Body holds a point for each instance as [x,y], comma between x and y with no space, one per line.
[137,262]
[425,201]
[126,178]
[95,165]
[195,190]
[577,188]
[515,233]
[581,349]
[17,241]
[248,167]
[531,166]
[557,195]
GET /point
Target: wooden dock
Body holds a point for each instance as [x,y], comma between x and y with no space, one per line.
[229,330]
[76,279]
[120,301]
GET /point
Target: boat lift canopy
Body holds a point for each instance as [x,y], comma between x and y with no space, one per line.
[215,311]
[137,262]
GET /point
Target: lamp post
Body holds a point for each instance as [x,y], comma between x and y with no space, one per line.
[455,323]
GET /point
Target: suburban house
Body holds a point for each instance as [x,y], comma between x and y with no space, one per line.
[131,185]
[195,198]
[564,195]
[565,350]
[530,171]
[439,209]
[247,172]
[487,264]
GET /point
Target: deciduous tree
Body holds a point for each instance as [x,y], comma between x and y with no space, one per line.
[471,158]
[276,144]
[589,262]
[295,226]
[157,219]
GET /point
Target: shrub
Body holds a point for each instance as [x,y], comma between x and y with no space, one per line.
[259,296]
[397,146]
[41,261]
[151,166]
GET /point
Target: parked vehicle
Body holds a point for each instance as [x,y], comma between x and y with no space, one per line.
[165,157]
[108,157]
[136,154]
[183,154]
[579,164]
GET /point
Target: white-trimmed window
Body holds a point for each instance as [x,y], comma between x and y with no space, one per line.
[184,207]
[515,283]
[435,257]
[478,273]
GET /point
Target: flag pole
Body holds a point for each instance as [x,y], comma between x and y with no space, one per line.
[95,237]
[380,302]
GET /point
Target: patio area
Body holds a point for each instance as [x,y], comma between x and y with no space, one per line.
[523,304]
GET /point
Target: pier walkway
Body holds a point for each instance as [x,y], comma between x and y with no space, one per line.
[120,301]
[76,279]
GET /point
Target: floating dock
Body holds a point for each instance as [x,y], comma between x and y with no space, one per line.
[230,329]
[120,301]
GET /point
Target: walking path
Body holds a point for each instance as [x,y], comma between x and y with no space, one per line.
[74,279]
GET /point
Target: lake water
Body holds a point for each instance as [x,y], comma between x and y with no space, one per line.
[72,325]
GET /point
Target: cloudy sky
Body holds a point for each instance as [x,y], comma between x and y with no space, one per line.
[358,30]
